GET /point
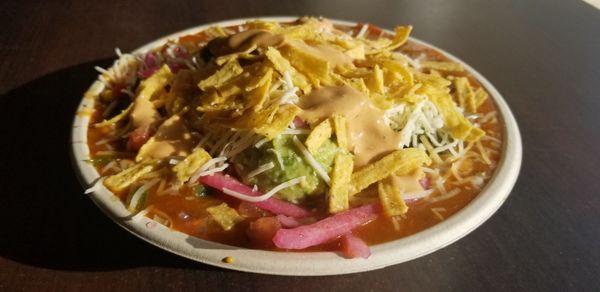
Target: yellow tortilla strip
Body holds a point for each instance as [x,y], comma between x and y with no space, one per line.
[432,80]
[402,33]
[114,120]
[443,66]
[477,100]
[228,71]
[125,178]
[318,135]
[358,84]
[226,216]
[282,65]
[259,93]
[397,68]
[375,81]
[187,167]
[212,101]
[456,123]
[340,127]
[400,162]
[314,67]
[391,198]
[283,117]
[464,91]
[341,174]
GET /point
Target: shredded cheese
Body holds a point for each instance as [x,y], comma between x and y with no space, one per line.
[96,186]
[260,169]
[204,167]
[265,196]
[134,203]
[312,161]
[278,157]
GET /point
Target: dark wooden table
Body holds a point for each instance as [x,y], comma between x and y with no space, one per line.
[543,56]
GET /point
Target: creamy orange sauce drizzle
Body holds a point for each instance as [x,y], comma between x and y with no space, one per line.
[172,138]
[369,136]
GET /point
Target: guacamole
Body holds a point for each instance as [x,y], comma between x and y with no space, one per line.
[294,165]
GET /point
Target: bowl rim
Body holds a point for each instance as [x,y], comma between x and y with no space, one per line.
[475,213]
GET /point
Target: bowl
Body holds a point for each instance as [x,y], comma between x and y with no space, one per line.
[427,241]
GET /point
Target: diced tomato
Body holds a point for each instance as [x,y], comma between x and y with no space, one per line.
[425,183]
[262,230]
[354,247]
[299,123]
[139,137]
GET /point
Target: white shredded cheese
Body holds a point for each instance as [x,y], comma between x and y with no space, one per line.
[278,157]
[205,166]
[448,195]
[362,31]
[311,160]
[261,142]
[213,170]
[295,131]
[267,195]
[137,195]
[417,195]
[97,185]
[260,169]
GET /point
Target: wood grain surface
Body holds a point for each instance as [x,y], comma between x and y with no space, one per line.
[543,56]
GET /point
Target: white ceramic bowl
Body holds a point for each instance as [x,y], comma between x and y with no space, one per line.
[311,263]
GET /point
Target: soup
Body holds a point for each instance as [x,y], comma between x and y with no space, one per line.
[300,136]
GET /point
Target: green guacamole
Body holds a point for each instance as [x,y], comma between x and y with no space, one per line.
[294,165]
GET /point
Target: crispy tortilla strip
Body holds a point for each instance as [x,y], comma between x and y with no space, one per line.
[443,66]
[251,119]
[317,136]
[478,98]
[282,65]
[125,178]
[262,24]
[259,92]
[383,44]
[171,138]
[402,33]
[237,55]
[343,165]
[340,127]
[357,52]
[259,76]
[283,117]
[187,167]
[212,101]
[116,119]
[456,123]
[219,78]
[299,55]
[358,84]
[226,216]
[375,81]
[398,69]
[432,80]
[391,198]
[464,91]
[400,162]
